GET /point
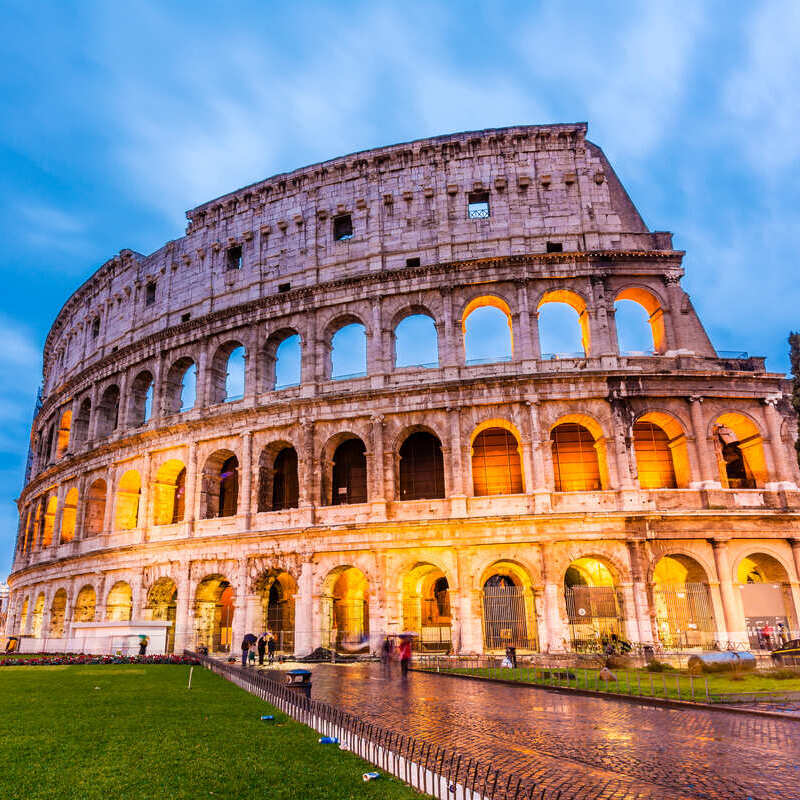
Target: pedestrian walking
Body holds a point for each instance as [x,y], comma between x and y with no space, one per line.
[143,642]
[783,633]
[386,655]
[405,655]
[261,645]
[245,650]
[272,646]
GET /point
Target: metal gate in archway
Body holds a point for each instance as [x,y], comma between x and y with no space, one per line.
[594,614]
[684,615]
[508,618]
[345,625]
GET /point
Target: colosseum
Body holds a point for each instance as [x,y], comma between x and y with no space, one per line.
[291,418]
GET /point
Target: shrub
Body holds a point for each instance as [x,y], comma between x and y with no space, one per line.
[660,666]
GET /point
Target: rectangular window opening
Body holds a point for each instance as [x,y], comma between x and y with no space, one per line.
[234,257]
[342,228]
[412,262]
[150,294]
[478,205]
[95,328]
[284,287]
[185,317]
[554,247]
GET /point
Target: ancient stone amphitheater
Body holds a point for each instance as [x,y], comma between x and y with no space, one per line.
[286,419]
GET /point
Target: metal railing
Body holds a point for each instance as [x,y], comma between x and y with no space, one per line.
[429,768]
[475,362]
[732,354]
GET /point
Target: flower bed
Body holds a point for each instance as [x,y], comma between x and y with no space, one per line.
[83,658]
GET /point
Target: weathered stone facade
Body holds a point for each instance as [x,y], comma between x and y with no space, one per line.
[136,508]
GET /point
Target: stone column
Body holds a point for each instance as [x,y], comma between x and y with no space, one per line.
[523,350]
[641,607]
[458,502]
[449,357]
[246,472]
[145,515]
[111,493]
[736,628]
[557,635]
[202,381]
[303,608]
[377,497]
[101,595]
[183,606]
[59,516]
[783,476]
[239,622]
[674,330]
[80,509]
[308,356]
[307,499]
[190,501]
[250,374]
[708,474]
[137,601]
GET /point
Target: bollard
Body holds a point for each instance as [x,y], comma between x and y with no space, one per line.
[299,680]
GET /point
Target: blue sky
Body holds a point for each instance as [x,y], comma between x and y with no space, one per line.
[119,117]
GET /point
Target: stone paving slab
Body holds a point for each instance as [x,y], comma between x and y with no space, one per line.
[592,748]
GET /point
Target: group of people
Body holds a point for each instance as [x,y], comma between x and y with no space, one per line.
[767,634]
[264,644]
[394,650]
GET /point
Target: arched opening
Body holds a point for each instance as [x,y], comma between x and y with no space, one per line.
[129,492]
[488,332]
[740,452]
[345,615]
[69,515]
[141,401]
[37,618]
[684,615]
[421,467]
[639,321]
[49,521]
[162,604]
[349,352]
[23,617]
[415,342]
[169,493]
[95,507]
[663,460]
[214,606]
[594,609]
[426,608]
[766,600]
[283,353]
[58,609]
[219,495]
[48,447]
[81,433]
[62,438]
[496,465]
[180,389]
[509,617]
[277,590]
[278,485]
[349,473]
[85,605]
[119,605]
[108,412]
[227,376]
[563,325]
[37,523]
[576,460]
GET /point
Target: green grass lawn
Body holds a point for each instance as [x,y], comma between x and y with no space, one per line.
[135,731]
[672,685]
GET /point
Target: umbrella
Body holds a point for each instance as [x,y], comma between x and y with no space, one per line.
[408,634]
[250,638]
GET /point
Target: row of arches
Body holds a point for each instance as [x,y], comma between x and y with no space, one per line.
[577,447]
[593,605]
[487,327]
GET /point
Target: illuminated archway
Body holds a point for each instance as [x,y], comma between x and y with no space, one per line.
[421,467]
[684,615]
[119,604]
[594,609]
[655,319]
[509,617]
[37,617]
[62,439]
[496,462]
[49,521]
[346,610]
[58,609]
[95,507]
[162,604]
[219,494]
[662,455]
[169,493]
[276,590]
[69,515]
[766,598]
[426,607]
[129,490]
[213,614]
[488,331]
[23,617]
[85,605]
[578,448]
[574,301]
[740,452]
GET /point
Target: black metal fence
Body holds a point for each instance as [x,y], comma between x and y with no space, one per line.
[429,768]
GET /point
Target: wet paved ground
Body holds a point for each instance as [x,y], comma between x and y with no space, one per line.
[592,748]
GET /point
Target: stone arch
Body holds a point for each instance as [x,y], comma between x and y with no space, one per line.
[180,386]
[119,602]
[344,470]
[345,609]
[96,499]
[349,333]
[278,482]
[763,581]
[277,589]
[219,494]
[425,593]
[676,447]
[420,464]
[85,604]
[579,454]
[683,612]
[23,615]
[129,492]
[227,373]
[140,404]
[213,613]
[508,613]
[62,437]
[415,339]
[162,604]
[496,458]
[739,446]
[577,303]
[37,616]
[279,372]
[58,611]
[108,411]
[652,305]
[169,493]
[81,423]
[493,328]
[49,521]
[69,515]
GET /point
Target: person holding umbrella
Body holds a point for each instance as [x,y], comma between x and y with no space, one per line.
[143,642]
[405,651]
[248,641]
[262,647]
